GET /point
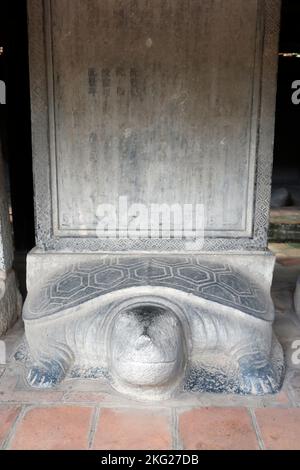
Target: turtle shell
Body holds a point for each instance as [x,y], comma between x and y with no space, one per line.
[80,282]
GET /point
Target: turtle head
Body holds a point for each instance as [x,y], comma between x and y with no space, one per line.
[147,349]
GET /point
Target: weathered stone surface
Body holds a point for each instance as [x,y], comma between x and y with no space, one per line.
[146,119]
[42,264]
[146,89]
[147,348]
[151,328]
[82,282]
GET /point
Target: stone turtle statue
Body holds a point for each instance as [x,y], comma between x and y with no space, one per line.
[154,326]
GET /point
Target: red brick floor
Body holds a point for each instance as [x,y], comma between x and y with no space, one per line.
[52,427]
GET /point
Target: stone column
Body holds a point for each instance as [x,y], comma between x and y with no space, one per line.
[10,298]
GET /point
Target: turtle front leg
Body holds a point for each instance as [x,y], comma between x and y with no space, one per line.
[46,375]
[50,370]
[257,375]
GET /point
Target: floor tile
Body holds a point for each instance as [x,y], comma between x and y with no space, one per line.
[133,429]
[54,428]
[8,415]
[280,428]
[217,429]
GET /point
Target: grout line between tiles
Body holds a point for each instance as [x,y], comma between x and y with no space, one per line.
[95,420]
[256,429]
[7,442]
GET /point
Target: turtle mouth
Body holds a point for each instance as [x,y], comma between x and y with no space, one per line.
[150,373]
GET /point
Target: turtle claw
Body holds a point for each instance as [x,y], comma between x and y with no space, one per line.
[258,379]
[45,377]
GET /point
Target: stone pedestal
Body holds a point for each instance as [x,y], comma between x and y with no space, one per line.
[154,325]
[155,103]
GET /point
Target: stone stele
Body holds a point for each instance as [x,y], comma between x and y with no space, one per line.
[164,102]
